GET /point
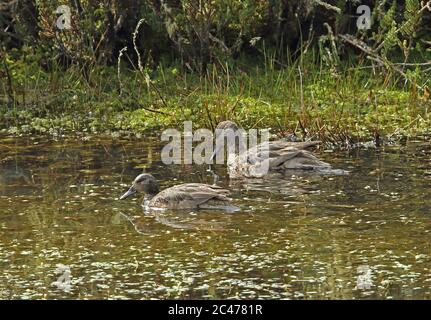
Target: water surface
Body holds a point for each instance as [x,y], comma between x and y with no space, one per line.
[299,236]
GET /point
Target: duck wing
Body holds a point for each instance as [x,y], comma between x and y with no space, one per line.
[291,158]
[275,149]
[281,144]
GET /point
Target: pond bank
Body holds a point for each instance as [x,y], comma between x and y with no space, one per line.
[341,108]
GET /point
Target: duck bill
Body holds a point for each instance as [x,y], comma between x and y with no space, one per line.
[129,192]
[216,151]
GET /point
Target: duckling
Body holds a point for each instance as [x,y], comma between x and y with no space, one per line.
[183,196]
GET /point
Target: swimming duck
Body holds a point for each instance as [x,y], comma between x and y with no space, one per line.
[271,156]
[183,196]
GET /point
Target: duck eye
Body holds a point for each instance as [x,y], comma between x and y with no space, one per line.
[140,180]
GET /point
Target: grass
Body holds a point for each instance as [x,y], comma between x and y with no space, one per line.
[340,105]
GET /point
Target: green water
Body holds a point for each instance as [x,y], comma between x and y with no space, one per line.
[298,236]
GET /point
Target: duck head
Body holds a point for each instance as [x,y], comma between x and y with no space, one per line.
[224,125]
[223,128]
[144,183]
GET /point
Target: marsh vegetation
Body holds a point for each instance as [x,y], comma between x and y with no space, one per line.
[302,68]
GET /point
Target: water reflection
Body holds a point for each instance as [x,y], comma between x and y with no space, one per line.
[199,220]
[301,237]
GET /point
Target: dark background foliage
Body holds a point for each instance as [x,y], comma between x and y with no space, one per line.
[201,32]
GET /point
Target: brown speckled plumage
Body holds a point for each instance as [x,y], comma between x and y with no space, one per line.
[183,196]
[277,156]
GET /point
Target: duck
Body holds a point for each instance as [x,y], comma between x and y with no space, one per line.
[182,196]
[267,157]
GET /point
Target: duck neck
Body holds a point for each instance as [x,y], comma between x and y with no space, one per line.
[152,189]
[232,158]
[236,149]
[148,197]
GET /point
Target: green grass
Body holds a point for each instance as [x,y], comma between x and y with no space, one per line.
[304,98]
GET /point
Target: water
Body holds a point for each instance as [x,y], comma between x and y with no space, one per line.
[306,236]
